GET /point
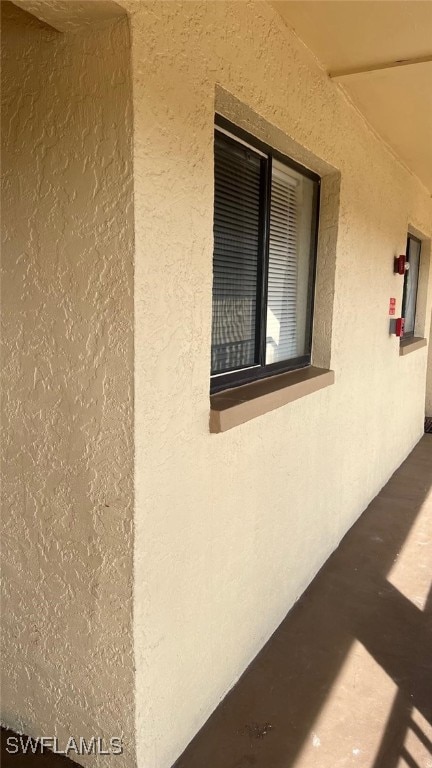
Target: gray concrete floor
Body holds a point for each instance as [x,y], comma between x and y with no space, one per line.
[346,680]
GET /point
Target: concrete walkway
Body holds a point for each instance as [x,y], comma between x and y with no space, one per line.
[346,680]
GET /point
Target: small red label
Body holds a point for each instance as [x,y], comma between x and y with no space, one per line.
[392,307]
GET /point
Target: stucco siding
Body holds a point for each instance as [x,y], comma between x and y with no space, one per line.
[67,306]
[231,528]
[116,492]
[429,378]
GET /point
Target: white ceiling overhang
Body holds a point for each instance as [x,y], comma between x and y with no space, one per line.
[380,53]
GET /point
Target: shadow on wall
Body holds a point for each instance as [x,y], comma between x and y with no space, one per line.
[267,717]
[265,720]
[67,368]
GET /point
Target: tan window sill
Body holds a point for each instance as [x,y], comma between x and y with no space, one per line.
[410,345]
[236,406]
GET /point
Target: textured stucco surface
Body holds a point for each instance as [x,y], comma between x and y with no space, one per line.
[230,528]
[64,15]
[67,373]
[429,378]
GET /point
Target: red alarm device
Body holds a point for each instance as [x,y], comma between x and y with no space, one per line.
[401,264]
[399,328]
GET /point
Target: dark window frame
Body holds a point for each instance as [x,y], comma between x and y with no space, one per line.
[238,377]
[410,334]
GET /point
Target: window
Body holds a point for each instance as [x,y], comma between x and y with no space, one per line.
[411,278]
[265,230]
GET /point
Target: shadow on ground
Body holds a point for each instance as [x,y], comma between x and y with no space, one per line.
[265,719]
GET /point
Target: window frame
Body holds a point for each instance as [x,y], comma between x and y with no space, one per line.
[238,377]
[410,334]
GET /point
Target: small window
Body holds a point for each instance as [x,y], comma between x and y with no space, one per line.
[265,231]
[411,279]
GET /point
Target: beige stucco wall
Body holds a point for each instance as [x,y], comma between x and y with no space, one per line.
[67,650]
[230,528]
[428,407]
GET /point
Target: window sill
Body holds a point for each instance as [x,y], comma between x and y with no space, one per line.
[240,404]
[411,344]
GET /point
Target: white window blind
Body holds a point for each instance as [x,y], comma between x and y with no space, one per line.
[281,340]
[265,220]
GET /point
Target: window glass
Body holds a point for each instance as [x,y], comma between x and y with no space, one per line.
[236,254]
[411,285]
[289,264]
[265,223]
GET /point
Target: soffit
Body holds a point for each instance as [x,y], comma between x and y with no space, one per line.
[380,52]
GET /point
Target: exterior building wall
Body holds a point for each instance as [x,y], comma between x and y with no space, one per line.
[429,378]
[228,529]
[67,363]
[231,528]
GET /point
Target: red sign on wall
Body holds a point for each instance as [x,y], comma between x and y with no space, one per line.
[392,307]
